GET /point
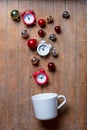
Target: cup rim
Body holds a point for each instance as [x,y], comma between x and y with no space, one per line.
[39,96]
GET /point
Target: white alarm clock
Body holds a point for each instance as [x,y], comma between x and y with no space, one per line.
[43,49]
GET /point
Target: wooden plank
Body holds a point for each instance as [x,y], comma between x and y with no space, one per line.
[82,85]
[82,65]
[59,76]
[71,65]
[49,30]
[82,19]
[12,69]
[24,73]
[35,89]
[3,89]
[36,6]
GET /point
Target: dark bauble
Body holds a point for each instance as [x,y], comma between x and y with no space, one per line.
[65,14]
[52,37]
[15,15]
[35,61]
[49,19]
[42,23]
[24,34]
[41,33]
[51,66]
[57,29]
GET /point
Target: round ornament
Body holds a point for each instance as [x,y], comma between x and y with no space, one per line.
[57,29]
[65,14]
[52,37]
[54,52]
[32,43]
[41,33]
[35,61]
[42,23]
[51,66]
[49,19]
[24,34]
[15,15]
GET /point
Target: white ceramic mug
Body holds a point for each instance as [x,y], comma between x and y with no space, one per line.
[46,105]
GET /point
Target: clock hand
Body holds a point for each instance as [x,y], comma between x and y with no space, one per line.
[28,18]
[43,48]
[42,77]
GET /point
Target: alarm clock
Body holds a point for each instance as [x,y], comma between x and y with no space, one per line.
[28,17]
[43,49]
[40,77]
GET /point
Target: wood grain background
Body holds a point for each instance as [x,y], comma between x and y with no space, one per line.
[70,79]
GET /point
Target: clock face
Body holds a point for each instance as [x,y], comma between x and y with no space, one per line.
[29,18]
[43,49]
[41,78]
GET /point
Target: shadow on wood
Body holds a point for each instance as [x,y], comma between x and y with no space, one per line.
[55,123]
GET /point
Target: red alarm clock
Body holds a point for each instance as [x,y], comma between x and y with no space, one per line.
[40,77]
[28,17]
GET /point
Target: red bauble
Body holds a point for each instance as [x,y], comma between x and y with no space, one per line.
[57,29]
[51,66]
[32,43]
[42,23]
[41,33]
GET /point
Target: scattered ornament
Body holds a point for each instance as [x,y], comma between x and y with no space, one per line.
[40,77]
[35,61]
[65,14]
[54,52]
[42,23]
[43,49]
[41,33]
[24,34]
[28,17]
[57,29]
[51,66]
[32,43]
[52,37]
[15,15]
[49,19]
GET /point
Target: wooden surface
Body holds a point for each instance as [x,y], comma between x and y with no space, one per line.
[70,79]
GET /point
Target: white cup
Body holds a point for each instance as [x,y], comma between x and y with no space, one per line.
[46,105]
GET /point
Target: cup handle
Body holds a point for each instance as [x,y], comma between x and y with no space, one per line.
[61,96]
